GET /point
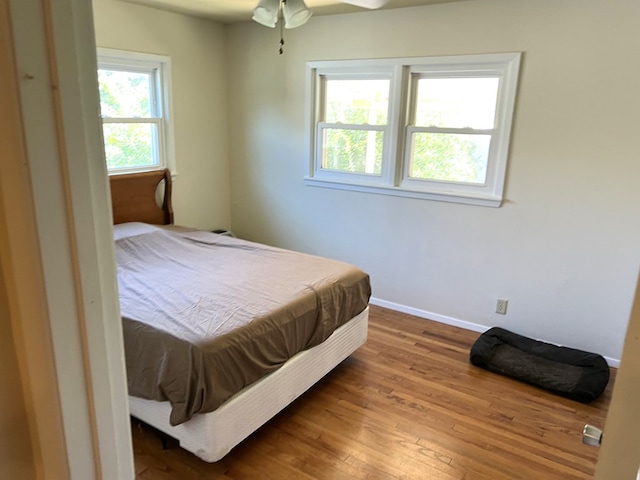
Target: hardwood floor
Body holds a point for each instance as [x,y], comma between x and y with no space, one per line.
[408,405]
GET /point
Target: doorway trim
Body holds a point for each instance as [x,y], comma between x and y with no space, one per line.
[55,65]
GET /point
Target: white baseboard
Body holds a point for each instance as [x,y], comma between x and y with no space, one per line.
[474,327]
[455,322]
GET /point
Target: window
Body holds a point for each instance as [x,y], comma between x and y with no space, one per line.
[435,128]
[134,103]
[356,119]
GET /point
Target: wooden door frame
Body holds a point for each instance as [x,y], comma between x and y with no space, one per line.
[620,452]
[22,275]
[58,238]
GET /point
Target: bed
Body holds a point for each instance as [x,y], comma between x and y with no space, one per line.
[221,334]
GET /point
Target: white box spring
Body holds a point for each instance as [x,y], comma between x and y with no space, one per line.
[212,435]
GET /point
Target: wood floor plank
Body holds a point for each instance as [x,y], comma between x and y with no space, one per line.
[406,405]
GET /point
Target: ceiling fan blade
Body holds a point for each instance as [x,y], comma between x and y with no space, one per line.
[372,4]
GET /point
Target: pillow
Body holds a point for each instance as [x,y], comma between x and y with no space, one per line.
[131,229]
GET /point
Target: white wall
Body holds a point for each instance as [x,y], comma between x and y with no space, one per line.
[565,246]
[197,50]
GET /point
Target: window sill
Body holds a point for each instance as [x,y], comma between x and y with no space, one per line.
[452,197]
[174,173]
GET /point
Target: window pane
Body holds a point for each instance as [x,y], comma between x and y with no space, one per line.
[358,102]
[125,94]
[354,151]
[130,145]
[450,157]
[456,102]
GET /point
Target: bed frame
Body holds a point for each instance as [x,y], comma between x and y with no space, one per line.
[211,436]
[134,197]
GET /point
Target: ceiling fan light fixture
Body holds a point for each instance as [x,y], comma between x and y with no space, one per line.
[295,13]
[266,13]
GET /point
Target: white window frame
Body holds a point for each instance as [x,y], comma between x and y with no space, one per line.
[159,66]
[380,72]
[404,72]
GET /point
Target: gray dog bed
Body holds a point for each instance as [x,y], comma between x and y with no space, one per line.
[568,372]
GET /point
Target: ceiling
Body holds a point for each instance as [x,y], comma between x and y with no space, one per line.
[229,11]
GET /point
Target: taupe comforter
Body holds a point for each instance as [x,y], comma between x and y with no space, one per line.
[205,315]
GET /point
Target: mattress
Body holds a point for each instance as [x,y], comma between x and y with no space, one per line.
[205,315]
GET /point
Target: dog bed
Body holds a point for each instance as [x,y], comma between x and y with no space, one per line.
[568,372]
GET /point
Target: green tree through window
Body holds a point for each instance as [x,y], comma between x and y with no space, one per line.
[134,103]
[356,113]
[434,128]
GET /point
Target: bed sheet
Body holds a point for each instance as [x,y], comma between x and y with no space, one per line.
[205,315]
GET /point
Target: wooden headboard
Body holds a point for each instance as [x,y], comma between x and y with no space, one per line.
[133,198]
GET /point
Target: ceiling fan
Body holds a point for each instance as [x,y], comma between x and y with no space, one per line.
[295,13]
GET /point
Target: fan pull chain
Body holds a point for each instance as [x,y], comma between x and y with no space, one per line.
[281,22]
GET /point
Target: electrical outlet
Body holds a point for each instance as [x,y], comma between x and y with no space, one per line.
[501,306]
